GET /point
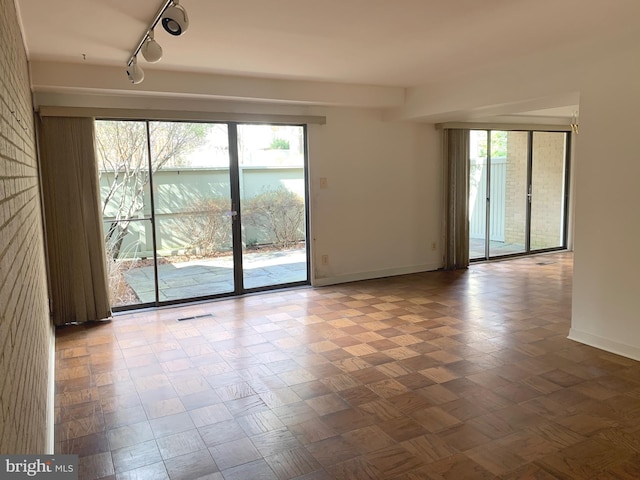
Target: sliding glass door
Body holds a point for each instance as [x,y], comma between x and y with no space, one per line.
[518,192]
[192,205]
[201,210]
[478,172]
[124,175]
[549,190]
[508,193]
[272,198]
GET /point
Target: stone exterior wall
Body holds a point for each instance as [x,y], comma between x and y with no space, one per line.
[25,327]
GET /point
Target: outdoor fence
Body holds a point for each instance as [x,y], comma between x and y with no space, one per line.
[192,209]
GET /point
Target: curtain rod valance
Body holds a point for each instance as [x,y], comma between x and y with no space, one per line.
[141,114]
[503,126]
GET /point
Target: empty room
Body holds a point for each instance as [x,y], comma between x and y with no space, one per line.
[340,240]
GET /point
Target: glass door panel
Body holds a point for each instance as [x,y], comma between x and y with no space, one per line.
[508,192]
[272,198]
[478,194]
[548,190]
[123,171]
[192,204]
[525,175]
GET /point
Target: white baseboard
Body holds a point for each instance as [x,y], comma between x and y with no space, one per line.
[606,344]
[356,277]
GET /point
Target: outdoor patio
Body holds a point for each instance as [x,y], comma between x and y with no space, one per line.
[204,277]
[496,248]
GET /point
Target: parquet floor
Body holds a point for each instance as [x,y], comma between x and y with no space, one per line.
[442,375]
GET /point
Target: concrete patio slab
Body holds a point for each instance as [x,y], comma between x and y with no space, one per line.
[203,277]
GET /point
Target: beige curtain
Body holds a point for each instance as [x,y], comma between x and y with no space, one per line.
[73,222]
[456,215]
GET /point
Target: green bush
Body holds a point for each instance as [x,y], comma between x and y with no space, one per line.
[279,144]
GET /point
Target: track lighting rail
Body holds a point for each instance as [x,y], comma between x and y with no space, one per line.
[153,24]
[174,20]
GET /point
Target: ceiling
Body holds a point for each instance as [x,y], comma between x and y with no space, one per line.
[399,43]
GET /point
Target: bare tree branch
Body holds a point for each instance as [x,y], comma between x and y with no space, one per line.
[124,166]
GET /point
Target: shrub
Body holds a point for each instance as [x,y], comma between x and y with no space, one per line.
[120,292]
[279,144]
[207,225]
[277,214]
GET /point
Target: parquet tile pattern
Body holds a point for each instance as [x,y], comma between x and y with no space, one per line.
[441,375]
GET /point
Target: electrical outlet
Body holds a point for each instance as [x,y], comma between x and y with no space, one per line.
[325,259]
[434,246]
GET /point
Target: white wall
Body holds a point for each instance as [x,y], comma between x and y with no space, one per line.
[606,292]
[381,209]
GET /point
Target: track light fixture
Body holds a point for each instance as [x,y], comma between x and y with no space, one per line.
[174,20]
[151,50]
[134,72]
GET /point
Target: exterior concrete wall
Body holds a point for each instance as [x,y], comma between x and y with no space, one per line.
[178,191]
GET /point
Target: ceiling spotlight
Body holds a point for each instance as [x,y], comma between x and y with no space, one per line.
[175,20]
[151,50]
[134,72]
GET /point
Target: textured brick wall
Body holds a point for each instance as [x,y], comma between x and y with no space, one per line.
[25,331]
[548,189]
[516,188]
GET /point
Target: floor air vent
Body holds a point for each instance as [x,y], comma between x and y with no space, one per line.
[206,315]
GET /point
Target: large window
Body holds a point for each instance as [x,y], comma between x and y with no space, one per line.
[199,210]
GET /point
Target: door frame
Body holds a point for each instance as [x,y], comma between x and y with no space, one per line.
[236,222]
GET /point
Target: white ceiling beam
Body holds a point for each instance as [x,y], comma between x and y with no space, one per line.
[99,79]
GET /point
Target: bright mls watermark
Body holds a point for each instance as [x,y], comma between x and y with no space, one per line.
[49,467]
